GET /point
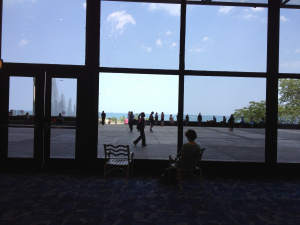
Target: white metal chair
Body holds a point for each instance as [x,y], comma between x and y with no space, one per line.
[118,157]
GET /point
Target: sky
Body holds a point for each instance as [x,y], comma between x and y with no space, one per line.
[146,35]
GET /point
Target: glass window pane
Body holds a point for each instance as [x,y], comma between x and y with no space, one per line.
[288,145]
[48,31]
[139,35]
[121,93]
[20,142]
[63,115]
[226,38]
[64,97]
[62,143]
[21,117]
[289,53]
[221,97]
[21,96]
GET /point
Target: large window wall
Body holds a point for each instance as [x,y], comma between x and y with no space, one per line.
[180,55]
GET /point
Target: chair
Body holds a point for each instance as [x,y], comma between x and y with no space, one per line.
[191,171]
[117,157]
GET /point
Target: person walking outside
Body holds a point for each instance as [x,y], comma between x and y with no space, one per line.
[103,115]
[131,118]
[151,118]
[187,119]
[199,119]
[156,118]
[162,118]
[231,122]
[141,127]
[171,118]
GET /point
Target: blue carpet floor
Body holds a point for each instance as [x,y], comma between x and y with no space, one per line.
[64,198]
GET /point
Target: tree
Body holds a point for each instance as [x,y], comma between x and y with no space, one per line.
[257,110]
[54,99]
[69,111]
[62,104]
[289,101]
[288,104]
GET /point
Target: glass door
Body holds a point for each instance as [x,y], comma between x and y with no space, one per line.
[60,118]
[21,117]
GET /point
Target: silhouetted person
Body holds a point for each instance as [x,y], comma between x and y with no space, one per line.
[151,119]
[131,118]
[214,119]
[189,151]
[199,118]
[59,119]
[171,120]
[187,119]
[27,118]
[103,115]
[141,127]
[162,118]
[224,121]
[231,122]
[156,118]
[187,157]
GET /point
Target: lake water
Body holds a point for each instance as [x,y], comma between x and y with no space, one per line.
[192,117]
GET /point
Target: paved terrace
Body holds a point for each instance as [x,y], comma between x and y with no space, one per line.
[243,144]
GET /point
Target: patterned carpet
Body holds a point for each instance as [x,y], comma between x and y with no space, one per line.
[49,198]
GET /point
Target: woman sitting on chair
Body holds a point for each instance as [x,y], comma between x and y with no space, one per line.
[190,152]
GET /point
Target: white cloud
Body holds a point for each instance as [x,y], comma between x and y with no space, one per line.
[297,51]
[159,42]
[249,16]
[119,19]
[284,19]
[174,10]
[168,32]
[205,39]
[226,9]
[174,44]
[24,42]
[84,5]
[196,49]
[148,49]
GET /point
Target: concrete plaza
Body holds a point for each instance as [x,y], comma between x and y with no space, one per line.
[243,144]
